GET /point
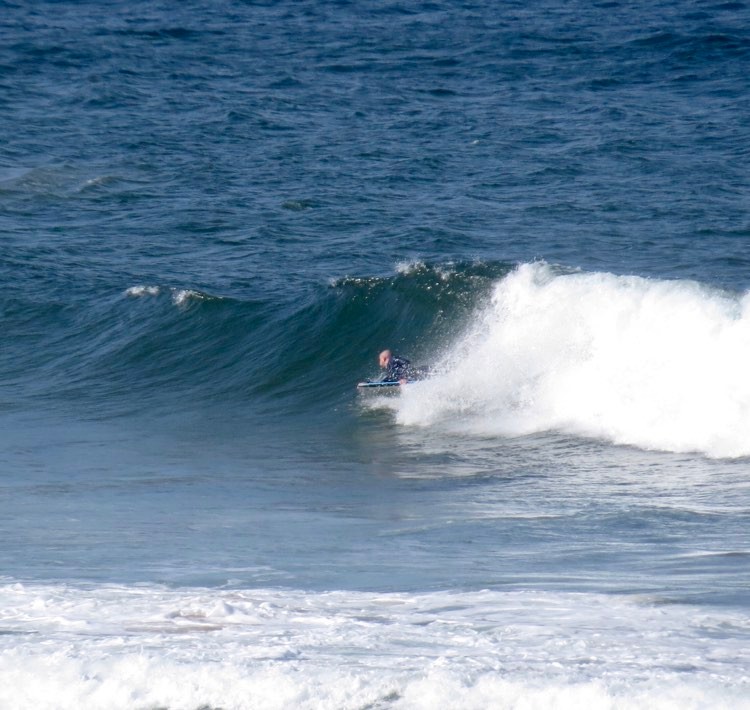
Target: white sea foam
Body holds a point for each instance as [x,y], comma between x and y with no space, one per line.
[655,364]
[443,271]
[137,291]
[183,296]
[409,267]
[141,647]
[180,296]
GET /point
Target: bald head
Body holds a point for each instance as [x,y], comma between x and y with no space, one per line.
[385,358]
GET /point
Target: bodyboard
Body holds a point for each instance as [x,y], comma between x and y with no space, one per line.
[375,385]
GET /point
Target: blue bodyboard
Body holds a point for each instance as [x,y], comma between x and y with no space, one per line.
[378,384]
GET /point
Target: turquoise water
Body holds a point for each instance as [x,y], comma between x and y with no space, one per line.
[213,218]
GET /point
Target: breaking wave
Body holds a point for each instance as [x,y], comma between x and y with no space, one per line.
[649,363]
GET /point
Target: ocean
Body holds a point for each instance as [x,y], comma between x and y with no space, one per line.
[214,216]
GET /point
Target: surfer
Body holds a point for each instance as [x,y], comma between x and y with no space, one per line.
[396,368]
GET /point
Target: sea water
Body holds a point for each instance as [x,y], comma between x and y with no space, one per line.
[212,219]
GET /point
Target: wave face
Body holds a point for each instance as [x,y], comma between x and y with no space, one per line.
[648,363]
[152,344]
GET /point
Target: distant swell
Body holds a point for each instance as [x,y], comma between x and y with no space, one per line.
[654,364]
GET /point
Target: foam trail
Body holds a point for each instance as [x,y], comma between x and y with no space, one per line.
[654,364]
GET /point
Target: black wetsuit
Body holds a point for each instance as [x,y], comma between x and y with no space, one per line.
[398,369]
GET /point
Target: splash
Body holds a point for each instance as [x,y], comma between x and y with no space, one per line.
[655,364]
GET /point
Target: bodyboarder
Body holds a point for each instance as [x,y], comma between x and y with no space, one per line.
[397,369]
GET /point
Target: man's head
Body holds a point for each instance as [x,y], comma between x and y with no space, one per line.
[385,358]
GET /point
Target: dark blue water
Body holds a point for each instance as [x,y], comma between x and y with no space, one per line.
[212,219]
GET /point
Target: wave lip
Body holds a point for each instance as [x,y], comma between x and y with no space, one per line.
[655,364]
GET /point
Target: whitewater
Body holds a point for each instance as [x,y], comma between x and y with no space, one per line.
[149,647]
[642,362]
